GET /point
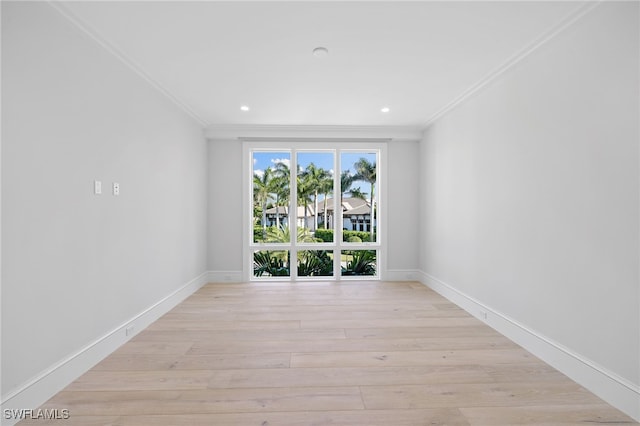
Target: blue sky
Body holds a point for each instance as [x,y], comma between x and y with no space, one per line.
[262,160]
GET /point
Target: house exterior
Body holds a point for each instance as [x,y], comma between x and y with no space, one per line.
[356,215]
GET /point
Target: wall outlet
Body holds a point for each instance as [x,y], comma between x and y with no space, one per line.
[116,188]
[483,315]
[129,330]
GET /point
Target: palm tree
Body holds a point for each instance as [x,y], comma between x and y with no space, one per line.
[357,193]
[261,191]
[305,190]
[313,177]
[366,171]
[282,234]
[346,181]
[326,188]
[281,187]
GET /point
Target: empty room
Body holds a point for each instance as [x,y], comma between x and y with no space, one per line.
[313,213]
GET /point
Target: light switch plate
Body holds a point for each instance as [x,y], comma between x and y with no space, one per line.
[97,187]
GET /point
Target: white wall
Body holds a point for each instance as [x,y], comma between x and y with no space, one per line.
[402,209]
[76,265]
[529,195]
[225,210]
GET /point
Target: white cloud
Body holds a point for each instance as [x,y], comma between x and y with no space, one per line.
[259,172]
[284,161]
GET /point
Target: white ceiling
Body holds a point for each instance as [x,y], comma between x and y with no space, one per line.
[414,57]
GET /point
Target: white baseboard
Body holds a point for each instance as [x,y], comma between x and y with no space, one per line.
[38,390]
[388,275]
[612,388]
[401,275]
[224,276]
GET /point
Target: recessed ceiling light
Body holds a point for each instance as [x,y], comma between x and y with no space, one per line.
[385,109]
[320,52]
[244,108]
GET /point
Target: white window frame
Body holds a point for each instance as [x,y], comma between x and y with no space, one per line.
[293,147]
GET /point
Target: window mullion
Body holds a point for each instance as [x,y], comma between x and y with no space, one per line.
[293,214]
[337,217]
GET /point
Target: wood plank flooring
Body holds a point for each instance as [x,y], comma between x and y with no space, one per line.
[319,353]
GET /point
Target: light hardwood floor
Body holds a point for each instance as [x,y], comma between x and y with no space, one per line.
[349,353]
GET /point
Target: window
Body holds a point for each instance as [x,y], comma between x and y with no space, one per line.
[313,211]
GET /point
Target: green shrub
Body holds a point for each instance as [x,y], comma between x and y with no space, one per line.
[258,234]
[314,263]
[321,235]
[362,262]
[364,236]
[326,235]
[266,264]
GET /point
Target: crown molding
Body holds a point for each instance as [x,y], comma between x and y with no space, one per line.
[323,132]
[516,58]
[83,26]
[313,132]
